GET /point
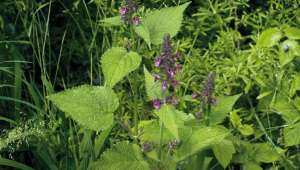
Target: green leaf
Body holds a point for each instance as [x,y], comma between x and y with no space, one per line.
[223,152]
[291,134]
[246,130]
[289,49]
[286,109]
[269,37]
[117,63]
[235,120]
[112,21]
[159,22]
[15,164]
[265,153]
[100,141]
[223,106]
[292,33]
[200,139]
[295,84]
[172,118]
[122,156]
[150,132]
[90,106]
[153,88]
[251,166]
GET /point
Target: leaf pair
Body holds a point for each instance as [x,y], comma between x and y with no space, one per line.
[93,106]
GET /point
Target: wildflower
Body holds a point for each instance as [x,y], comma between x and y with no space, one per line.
[156,103]
[171,73]
[146,147]
[127,11]
[164,85]
[136,20]
[166,46]
[123,10]
[157,62]
[207,93]
[174,83]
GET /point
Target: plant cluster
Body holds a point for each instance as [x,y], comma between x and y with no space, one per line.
[105,85]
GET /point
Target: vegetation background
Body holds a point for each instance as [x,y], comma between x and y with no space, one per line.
[47,46]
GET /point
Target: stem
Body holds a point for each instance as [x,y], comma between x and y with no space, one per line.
[160,140]
[208,113]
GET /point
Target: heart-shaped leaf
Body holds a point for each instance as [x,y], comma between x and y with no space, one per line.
[90,106]
[159,22]
[117,63]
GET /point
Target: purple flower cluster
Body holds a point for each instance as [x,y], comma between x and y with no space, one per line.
[207,92]
[168,65]
[127,12]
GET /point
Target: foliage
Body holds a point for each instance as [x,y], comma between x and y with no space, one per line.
[159,85]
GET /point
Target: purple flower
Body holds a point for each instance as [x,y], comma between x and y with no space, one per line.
[177,55]
[171,73]
[157,62]
[167,46]
[123,10]
[174,83]
[156,103]
[131,5]
[164,85]
[207,93]
[146,147]
[136,20]
[178,67]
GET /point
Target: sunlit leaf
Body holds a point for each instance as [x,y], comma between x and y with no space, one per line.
[117,63]
[223,152]
[159,22]
[291,135]
[90,106]
[269,37]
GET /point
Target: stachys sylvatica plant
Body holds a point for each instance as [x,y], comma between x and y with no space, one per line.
[172,139]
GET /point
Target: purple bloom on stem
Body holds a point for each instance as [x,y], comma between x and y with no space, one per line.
[156,103]
[157,62]
[123,10]
[146,147]
[177,55]
[166,46]
[164,85]
[178,67]
[171,73]
[136,20]
[208,90]
[174,83]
